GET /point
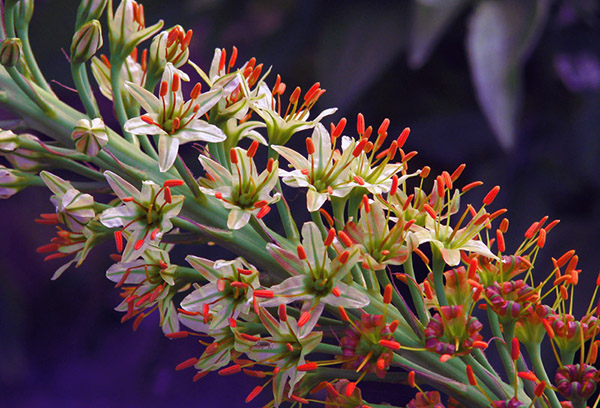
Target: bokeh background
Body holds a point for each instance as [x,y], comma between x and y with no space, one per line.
[509,87]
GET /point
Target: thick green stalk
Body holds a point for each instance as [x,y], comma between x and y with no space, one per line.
[501,344]
[84,90]
[438,276]
[38,77]
[289,225]
[415,292]
[539,369]
[115,81]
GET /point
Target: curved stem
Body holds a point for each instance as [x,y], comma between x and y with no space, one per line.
[38,77]
[415,292]
[438,276]
[539,369]
[84,91]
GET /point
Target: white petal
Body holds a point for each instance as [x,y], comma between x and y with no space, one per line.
[167,152]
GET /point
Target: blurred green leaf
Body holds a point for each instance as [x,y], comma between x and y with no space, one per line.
[500,37]
[429,21]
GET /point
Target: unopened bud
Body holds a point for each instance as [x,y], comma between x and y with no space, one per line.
[89,136]
[10,52]
[8,141]
[10,182]
[23,12]
[86,42]
[89,10]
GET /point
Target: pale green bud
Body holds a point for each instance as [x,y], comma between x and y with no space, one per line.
[23,12]
[89,10]
[86,42]
[10,52]
[89,136]
[9,141]
[11,182]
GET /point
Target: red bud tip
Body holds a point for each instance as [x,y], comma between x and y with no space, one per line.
[487,200]
[257,390]
[387,294]
[301,252]
[360,124]
[304,317]
[330,237]
[307,367]
[310,147]
[394,325]
[411,379]
[186,364]
[514,351]
[471,376]
[252,149]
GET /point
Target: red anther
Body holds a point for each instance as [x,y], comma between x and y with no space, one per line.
[167,195]
[497,213]
[257,390]
[260,204]
[147,119]
[310,147]
[176,83]
[387,294]
[187,39]
[233,156]
[480,344]
[255,373]
[359,147]
[299,399]
[173,183]
[528,375]
[196,108]
[384,126]
[471,186]
[345,238]
[249,337]
[218,195]
[330,237]
[255,74]
[336,292]
[164,88]
[332,391]
[138,244]
[482,219]
[401,277]
[408,156]
[232,322]
[407,202]
[236,284]
[57,255]
[199,375]
[560,262]
[446,178]
[548,326]
[301,252]
[187,312]
[234,369]
[264,293]
[289,347]
[337,131]
[312,366]
[320,387]
[128,199]
[539,389]
[196,90]
[343,315]
[427,290]
[134,54]
[541,238]
[360,124]
[439,183]
[425,172]
[233,58]
[456,173]
[572,265]
[252,149]
[365,201]
[472,271]
[350,389]
[551,225]
[270,165]
[344,257]
[105,60]
[305,172]
[222,59]
[154,233]
[487,200]
[430,210]
[393,325]
[263,211]
[304,317]
[531,230]
[503,225]
[119,240]
[563,293]
[514,350]
[177,335]
[471,376]
[47,248]
[359,180]
[500,241]
[394,187]
[411,379]
[282,312]
[368,132]
[402,138]
[598,279]
[295,95]
[211,349]
[391,344]
[176,123]
[187,363]
[312,90]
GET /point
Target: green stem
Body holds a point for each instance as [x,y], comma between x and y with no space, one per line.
[187,177]
[415,292]
[115,80]
[255,223]
[539,369]
[38,77]
[501,344]
[438,276]
[338,205]
[289,224]
[28,89]
[84,91]
[483,375]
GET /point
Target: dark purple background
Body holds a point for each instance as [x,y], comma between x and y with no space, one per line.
[61,344]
